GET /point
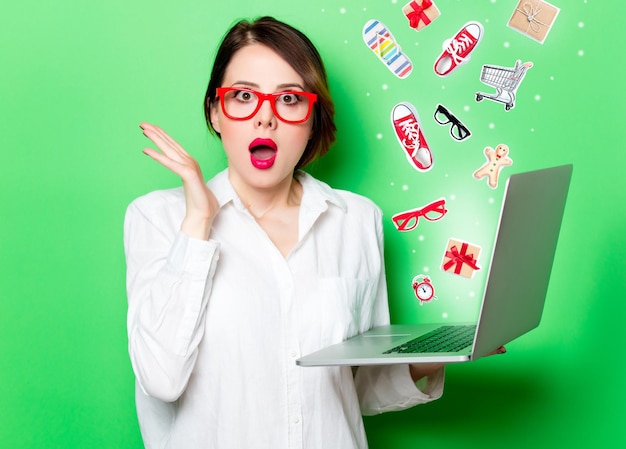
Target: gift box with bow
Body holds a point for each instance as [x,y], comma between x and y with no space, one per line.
[534,18]
[461,258]
[420,13]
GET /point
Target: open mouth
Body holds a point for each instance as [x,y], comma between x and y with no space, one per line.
[263,153]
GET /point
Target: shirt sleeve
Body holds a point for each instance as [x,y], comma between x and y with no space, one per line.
[169,278]
[390,387]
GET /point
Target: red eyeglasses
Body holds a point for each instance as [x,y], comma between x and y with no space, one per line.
[242,104]
[407,220]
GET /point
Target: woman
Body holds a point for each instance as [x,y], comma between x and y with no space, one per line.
[230,281]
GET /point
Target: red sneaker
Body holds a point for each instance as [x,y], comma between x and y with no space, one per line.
[456,50]
[408,129]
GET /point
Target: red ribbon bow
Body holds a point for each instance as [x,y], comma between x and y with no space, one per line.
[459,258]
[418,13]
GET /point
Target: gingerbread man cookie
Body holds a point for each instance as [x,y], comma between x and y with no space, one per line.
[496,159]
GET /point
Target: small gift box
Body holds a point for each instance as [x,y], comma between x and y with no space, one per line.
[461,258]
[420,13]
[534,18]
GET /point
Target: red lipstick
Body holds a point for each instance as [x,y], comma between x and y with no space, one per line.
[263,153]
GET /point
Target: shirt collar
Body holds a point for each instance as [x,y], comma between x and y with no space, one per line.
[223,189]
[316,194]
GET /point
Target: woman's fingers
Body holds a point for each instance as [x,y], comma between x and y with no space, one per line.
[164,160]
[500,350]
[172,155]
[201,204]
[163,141]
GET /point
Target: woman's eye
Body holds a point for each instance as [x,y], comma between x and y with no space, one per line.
[244,95]
[289,99]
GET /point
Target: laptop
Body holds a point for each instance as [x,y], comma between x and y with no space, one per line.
[514,294]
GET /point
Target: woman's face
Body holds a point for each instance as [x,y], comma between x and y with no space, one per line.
[262,151]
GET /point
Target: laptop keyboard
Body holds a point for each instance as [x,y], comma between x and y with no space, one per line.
[442,339]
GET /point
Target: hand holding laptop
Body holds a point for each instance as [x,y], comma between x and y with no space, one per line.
[421,370]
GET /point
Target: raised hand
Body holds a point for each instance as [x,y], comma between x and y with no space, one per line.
[201,204]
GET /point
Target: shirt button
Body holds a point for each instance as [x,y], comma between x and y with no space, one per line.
[293,354]
[295,420]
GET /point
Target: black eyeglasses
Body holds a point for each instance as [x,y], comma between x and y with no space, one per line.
[458,130]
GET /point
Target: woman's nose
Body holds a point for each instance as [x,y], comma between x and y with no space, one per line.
[265,116]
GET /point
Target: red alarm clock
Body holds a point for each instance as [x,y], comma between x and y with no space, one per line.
[424,289]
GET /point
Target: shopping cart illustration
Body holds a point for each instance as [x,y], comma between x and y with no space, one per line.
[506,80]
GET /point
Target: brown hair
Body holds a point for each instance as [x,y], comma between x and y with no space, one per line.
[295,48]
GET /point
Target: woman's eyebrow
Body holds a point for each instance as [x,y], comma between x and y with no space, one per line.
[245,83]
[279,87]
[290,86]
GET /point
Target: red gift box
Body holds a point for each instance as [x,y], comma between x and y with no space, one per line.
[461,258]
[420,13]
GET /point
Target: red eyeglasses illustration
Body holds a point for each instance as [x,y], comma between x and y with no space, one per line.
[408,220]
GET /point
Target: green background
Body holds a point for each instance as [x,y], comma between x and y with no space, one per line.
[78,77]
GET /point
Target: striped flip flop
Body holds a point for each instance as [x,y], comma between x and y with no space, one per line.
[380,40]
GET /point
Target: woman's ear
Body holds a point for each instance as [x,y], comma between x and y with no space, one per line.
[215,120]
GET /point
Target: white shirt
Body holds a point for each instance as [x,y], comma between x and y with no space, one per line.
[215,326]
